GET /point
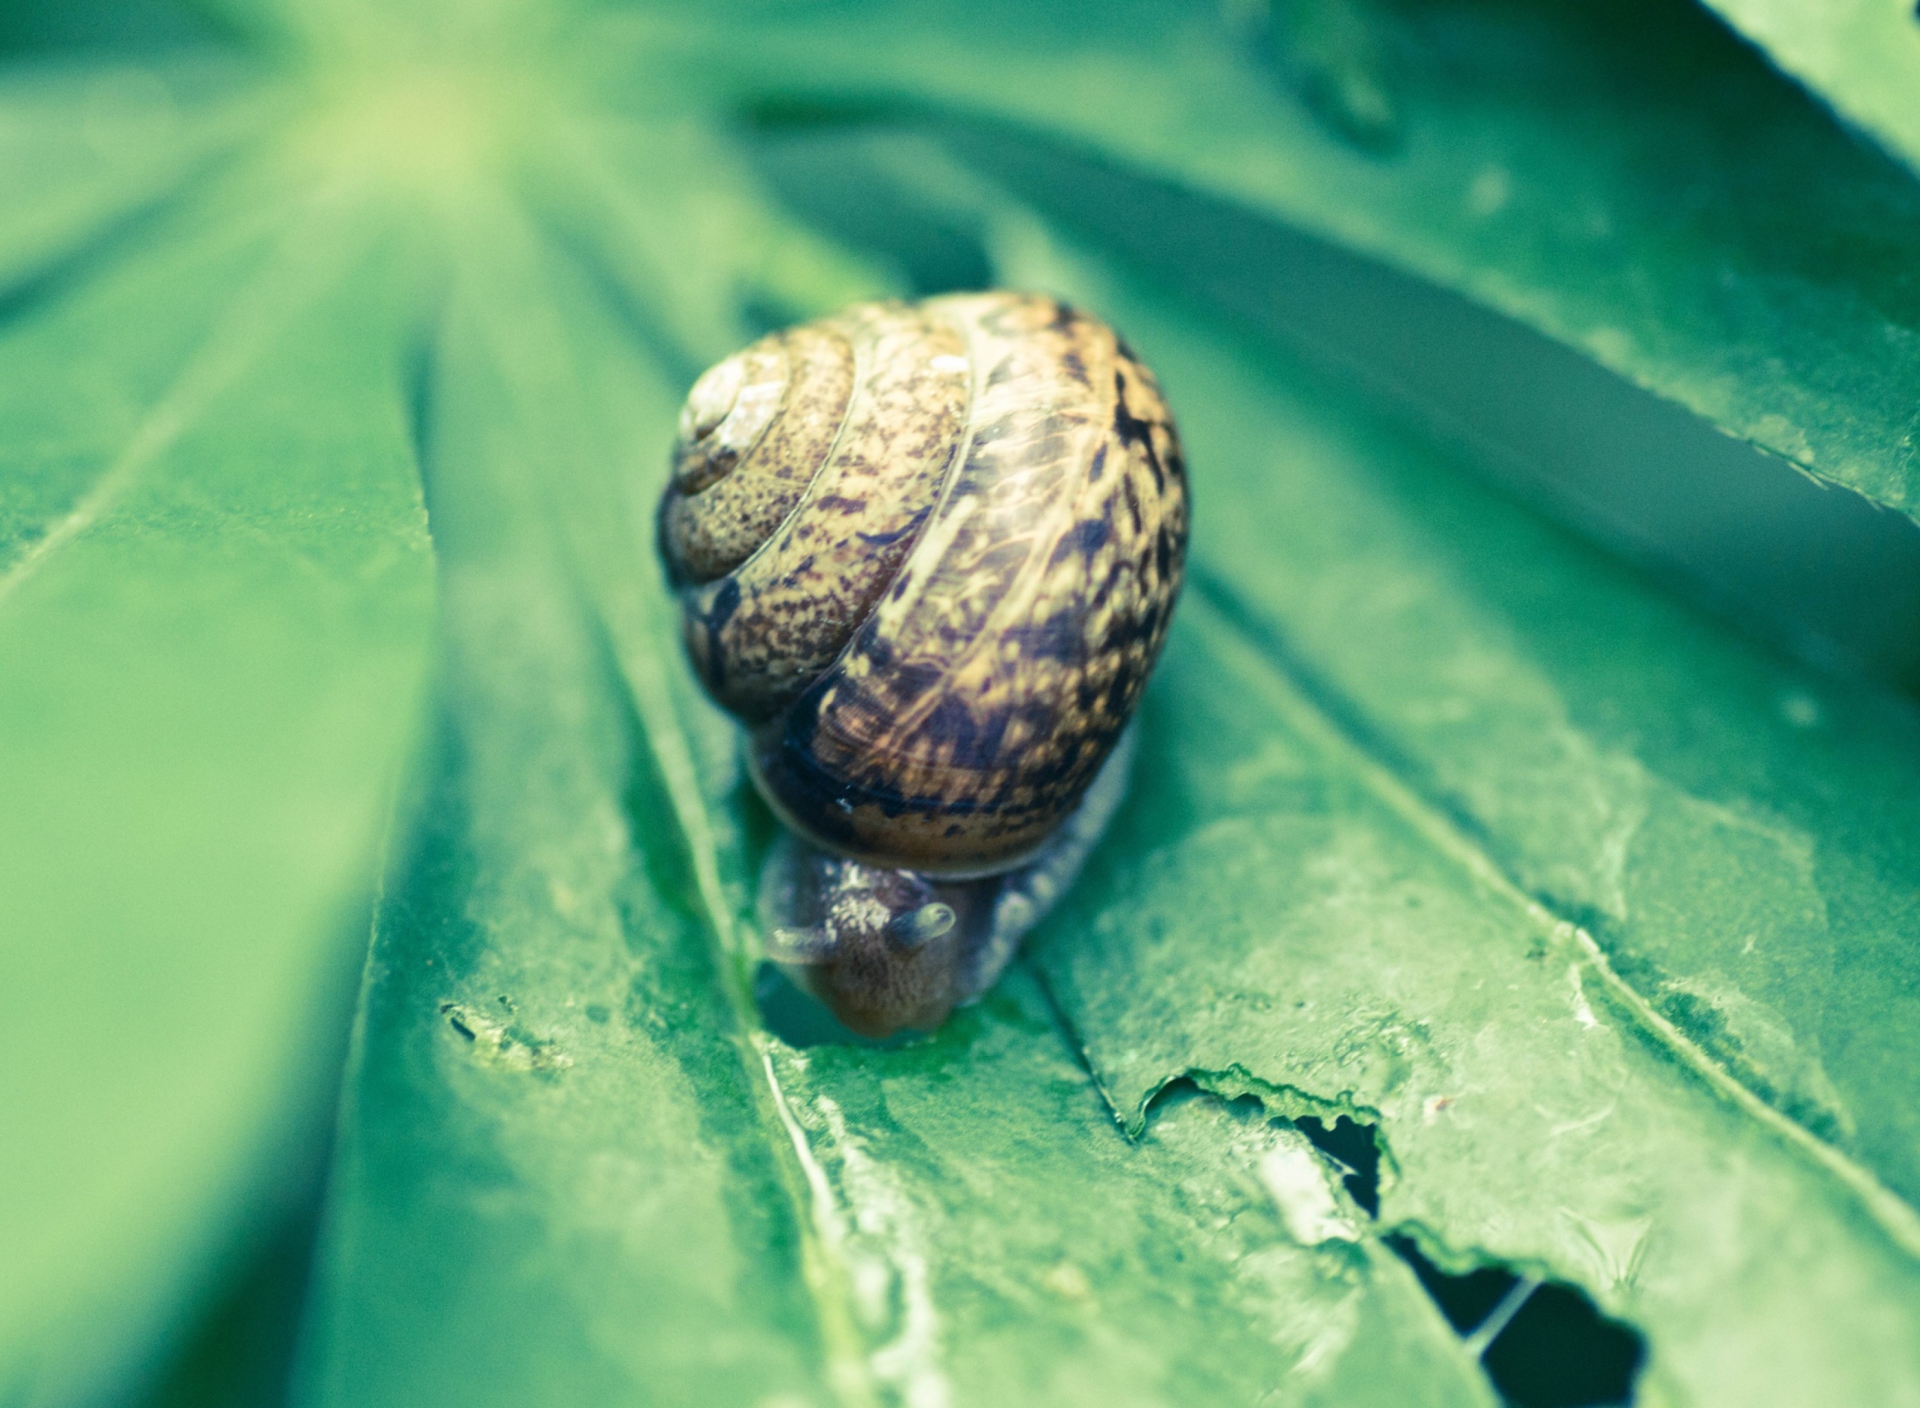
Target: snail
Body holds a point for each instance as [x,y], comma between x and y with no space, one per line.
[926,555]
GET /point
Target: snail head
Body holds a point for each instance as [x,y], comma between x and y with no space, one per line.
[877,945]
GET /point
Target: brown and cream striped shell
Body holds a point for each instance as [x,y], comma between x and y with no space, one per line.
[927,553]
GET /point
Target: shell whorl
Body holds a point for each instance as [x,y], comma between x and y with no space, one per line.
[928,553]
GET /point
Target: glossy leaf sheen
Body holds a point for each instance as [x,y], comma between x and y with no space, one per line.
[1519,716]
[1739,834]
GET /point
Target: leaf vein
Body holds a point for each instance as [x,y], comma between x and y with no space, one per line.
[275,294]
[1320,714]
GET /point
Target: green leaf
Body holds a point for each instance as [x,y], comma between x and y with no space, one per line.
[1338,946]
[1642,477]
[1312,930]
[1479,917]
[1482,842]
[215,604]
[543,1190]
[1738,833]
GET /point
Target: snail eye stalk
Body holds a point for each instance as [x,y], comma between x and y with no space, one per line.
[918,926]
[790,945]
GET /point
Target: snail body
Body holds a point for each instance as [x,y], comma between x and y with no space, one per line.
[927,554]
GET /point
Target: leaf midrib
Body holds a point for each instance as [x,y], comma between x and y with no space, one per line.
[672,755]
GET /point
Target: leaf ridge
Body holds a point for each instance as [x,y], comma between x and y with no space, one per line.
[23,289]
[673,756]
[166,139]
[287,282]
[627,624]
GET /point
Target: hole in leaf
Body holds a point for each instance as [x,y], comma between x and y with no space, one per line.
[1559,1351]
[1178,1092]
[1466,1299]
[1545,1345]
[1352,1144]
[1555,1349]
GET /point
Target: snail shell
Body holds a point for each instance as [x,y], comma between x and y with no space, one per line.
[927,554]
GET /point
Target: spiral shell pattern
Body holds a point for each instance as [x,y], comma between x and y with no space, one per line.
[928,553]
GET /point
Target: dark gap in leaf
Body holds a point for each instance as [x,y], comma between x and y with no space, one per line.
[1465,1298]
[828,177]
[102,248]
[1542,1344]
[1178,1092]
[1559,1351]
[1831,576]
[1355,1147]
[1555,1351]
